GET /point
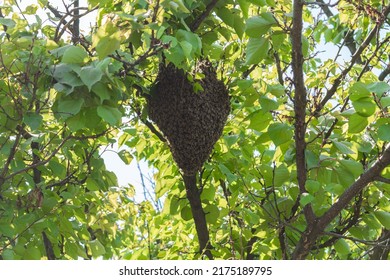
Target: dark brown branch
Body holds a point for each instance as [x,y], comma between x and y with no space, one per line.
[197,22]
[279,68]
[384,73]
[300,101]
[350,222]
[312,232]
[382,179]
[76,24]
[48,247]
[11,156]
[193,196]
[381,252]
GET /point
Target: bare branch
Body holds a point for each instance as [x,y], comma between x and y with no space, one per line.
[382,179]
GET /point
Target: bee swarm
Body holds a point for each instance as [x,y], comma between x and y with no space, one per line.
[191,121]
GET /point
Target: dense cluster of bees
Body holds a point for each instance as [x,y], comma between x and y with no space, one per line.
[191,120]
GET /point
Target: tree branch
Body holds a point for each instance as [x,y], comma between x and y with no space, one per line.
[311,234]
[195,25]
[300,101]
[76,24]
[355,58]
[193,196]
[384,73]
[381,252]
[48,247]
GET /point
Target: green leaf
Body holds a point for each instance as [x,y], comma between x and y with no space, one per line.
[276,90]
[226,171]
[385,101]
[181,7]
[187,48]
[259,120]
[342,147]
[244,6]
[7,22]
[379,88]
[109,114]
[97,249]
[268,104]
[306,198]
[280,133]
[358,91]
[106,40]
[68,108]
[90,75]
[281,175]
[212,213]
[312,186]
[125,156]
[259,25]
[384,218]
[259,3]
[186,213]
[364,106]
[357,123]
[190,42]
[31,10]
[305,47]
[8,254]
[232,18]
[91,184]
[77,122]
[7,229]
[256,50]
[74,55]
[33,120]
[384,132]
[102,90]
[32,253]
[354,167]
[342,248]
[175,55]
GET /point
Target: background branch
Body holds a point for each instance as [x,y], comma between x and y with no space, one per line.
[311,234]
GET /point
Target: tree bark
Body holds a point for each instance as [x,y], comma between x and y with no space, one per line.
[300,101]
[193,196]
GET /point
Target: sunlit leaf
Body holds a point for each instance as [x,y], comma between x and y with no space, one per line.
[259,25]
[74,55]
[97,249]
[342,248]
[256,50]
[280,133]
[384,132]
[357,123]
[384,218]
[109,114]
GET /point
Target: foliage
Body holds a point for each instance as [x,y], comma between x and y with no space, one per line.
[295,175]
